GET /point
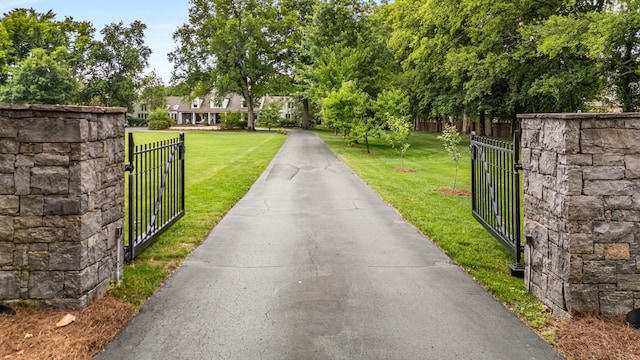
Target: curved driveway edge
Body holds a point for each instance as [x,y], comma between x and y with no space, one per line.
[312,264]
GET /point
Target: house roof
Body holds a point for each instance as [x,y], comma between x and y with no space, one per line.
[231,103]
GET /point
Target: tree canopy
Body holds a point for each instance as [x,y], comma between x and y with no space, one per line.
[45,60]
[232,46]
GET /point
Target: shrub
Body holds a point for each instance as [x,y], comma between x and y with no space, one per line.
[132,121]
[159,125]
[160,119]
[232,120]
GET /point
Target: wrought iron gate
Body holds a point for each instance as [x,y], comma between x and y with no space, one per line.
[495,178]
[156,191]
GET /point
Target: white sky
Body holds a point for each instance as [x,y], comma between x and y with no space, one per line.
[162,18]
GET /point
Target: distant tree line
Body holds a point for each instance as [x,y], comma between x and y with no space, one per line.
[353,63]
[476,60]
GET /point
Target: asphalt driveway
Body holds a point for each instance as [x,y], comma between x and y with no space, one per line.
[312,264]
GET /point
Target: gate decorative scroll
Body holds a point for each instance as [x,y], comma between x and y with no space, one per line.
[496,200]
[156,191]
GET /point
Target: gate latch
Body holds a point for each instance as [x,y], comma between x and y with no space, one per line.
[518,166]
[128,167]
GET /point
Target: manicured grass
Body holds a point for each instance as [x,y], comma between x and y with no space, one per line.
[220,168]
[446,219]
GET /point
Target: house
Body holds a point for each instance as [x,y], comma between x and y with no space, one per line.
[208,110]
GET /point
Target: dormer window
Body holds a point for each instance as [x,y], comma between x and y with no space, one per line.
[196,103]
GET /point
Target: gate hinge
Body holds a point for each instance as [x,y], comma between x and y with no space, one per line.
[128,167]
[517,166]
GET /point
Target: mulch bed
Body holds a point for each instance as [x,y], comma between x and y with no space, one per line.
[596,338]
[453,192]
[32,333]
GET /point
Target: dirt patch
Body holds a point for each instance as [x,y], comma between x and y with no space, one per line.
[404,170]
[596,338]
[453,192]
[32,333]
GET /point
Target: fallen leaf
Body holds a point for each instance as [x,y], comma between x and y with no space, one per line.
[28,336]
[66,320]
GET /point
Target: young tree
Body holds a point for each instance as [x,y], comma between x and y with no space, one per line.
[232,46]
[450,139]
[400,128]
[154,93]
[270,115]
[40,79]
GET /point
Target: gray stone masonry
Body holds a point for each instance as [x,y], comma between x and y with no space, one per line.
[582,211]
[58,220]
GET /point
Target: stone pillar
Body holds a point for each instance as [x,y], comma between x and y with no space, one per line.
[582,211]
[61,203]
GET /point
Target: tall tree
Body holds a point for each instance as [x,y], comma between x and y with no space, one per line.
[22,30]
[232,46]
[300,14]
[113,69]
[605,35]
[40,79]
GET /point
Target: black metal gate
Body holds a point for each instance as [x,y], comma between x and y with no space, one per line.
[495,178]
[156,191]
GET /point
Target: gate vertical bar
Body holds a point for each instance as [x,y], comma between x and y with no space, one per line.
[517,166]
[182,179]
[132,185]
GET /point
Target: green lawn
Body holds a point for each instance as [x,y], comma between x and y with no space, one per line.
[446,219]
[220,167]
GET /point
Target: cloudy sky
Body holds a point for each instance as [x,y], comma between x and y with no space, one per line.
[162,18]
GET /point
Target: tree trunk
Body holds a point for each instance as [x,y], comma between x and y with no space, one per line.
[251,116]
[465,122]
[249,99]
[481,129]
[305,114]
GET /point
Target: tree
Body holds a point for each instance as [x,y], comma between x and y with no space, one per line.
[232,46]
[40,79]
[348,109]
[343,44]
[297,13]
[114,66]
[270,115]
[450,139]
[22,30]
[391,109]
[400,128]
[605,36]
[154,93]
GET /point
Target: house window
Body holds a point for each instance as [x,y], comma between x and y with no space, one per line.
[143,107]
[196,103]
[288,116]
[244,102]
